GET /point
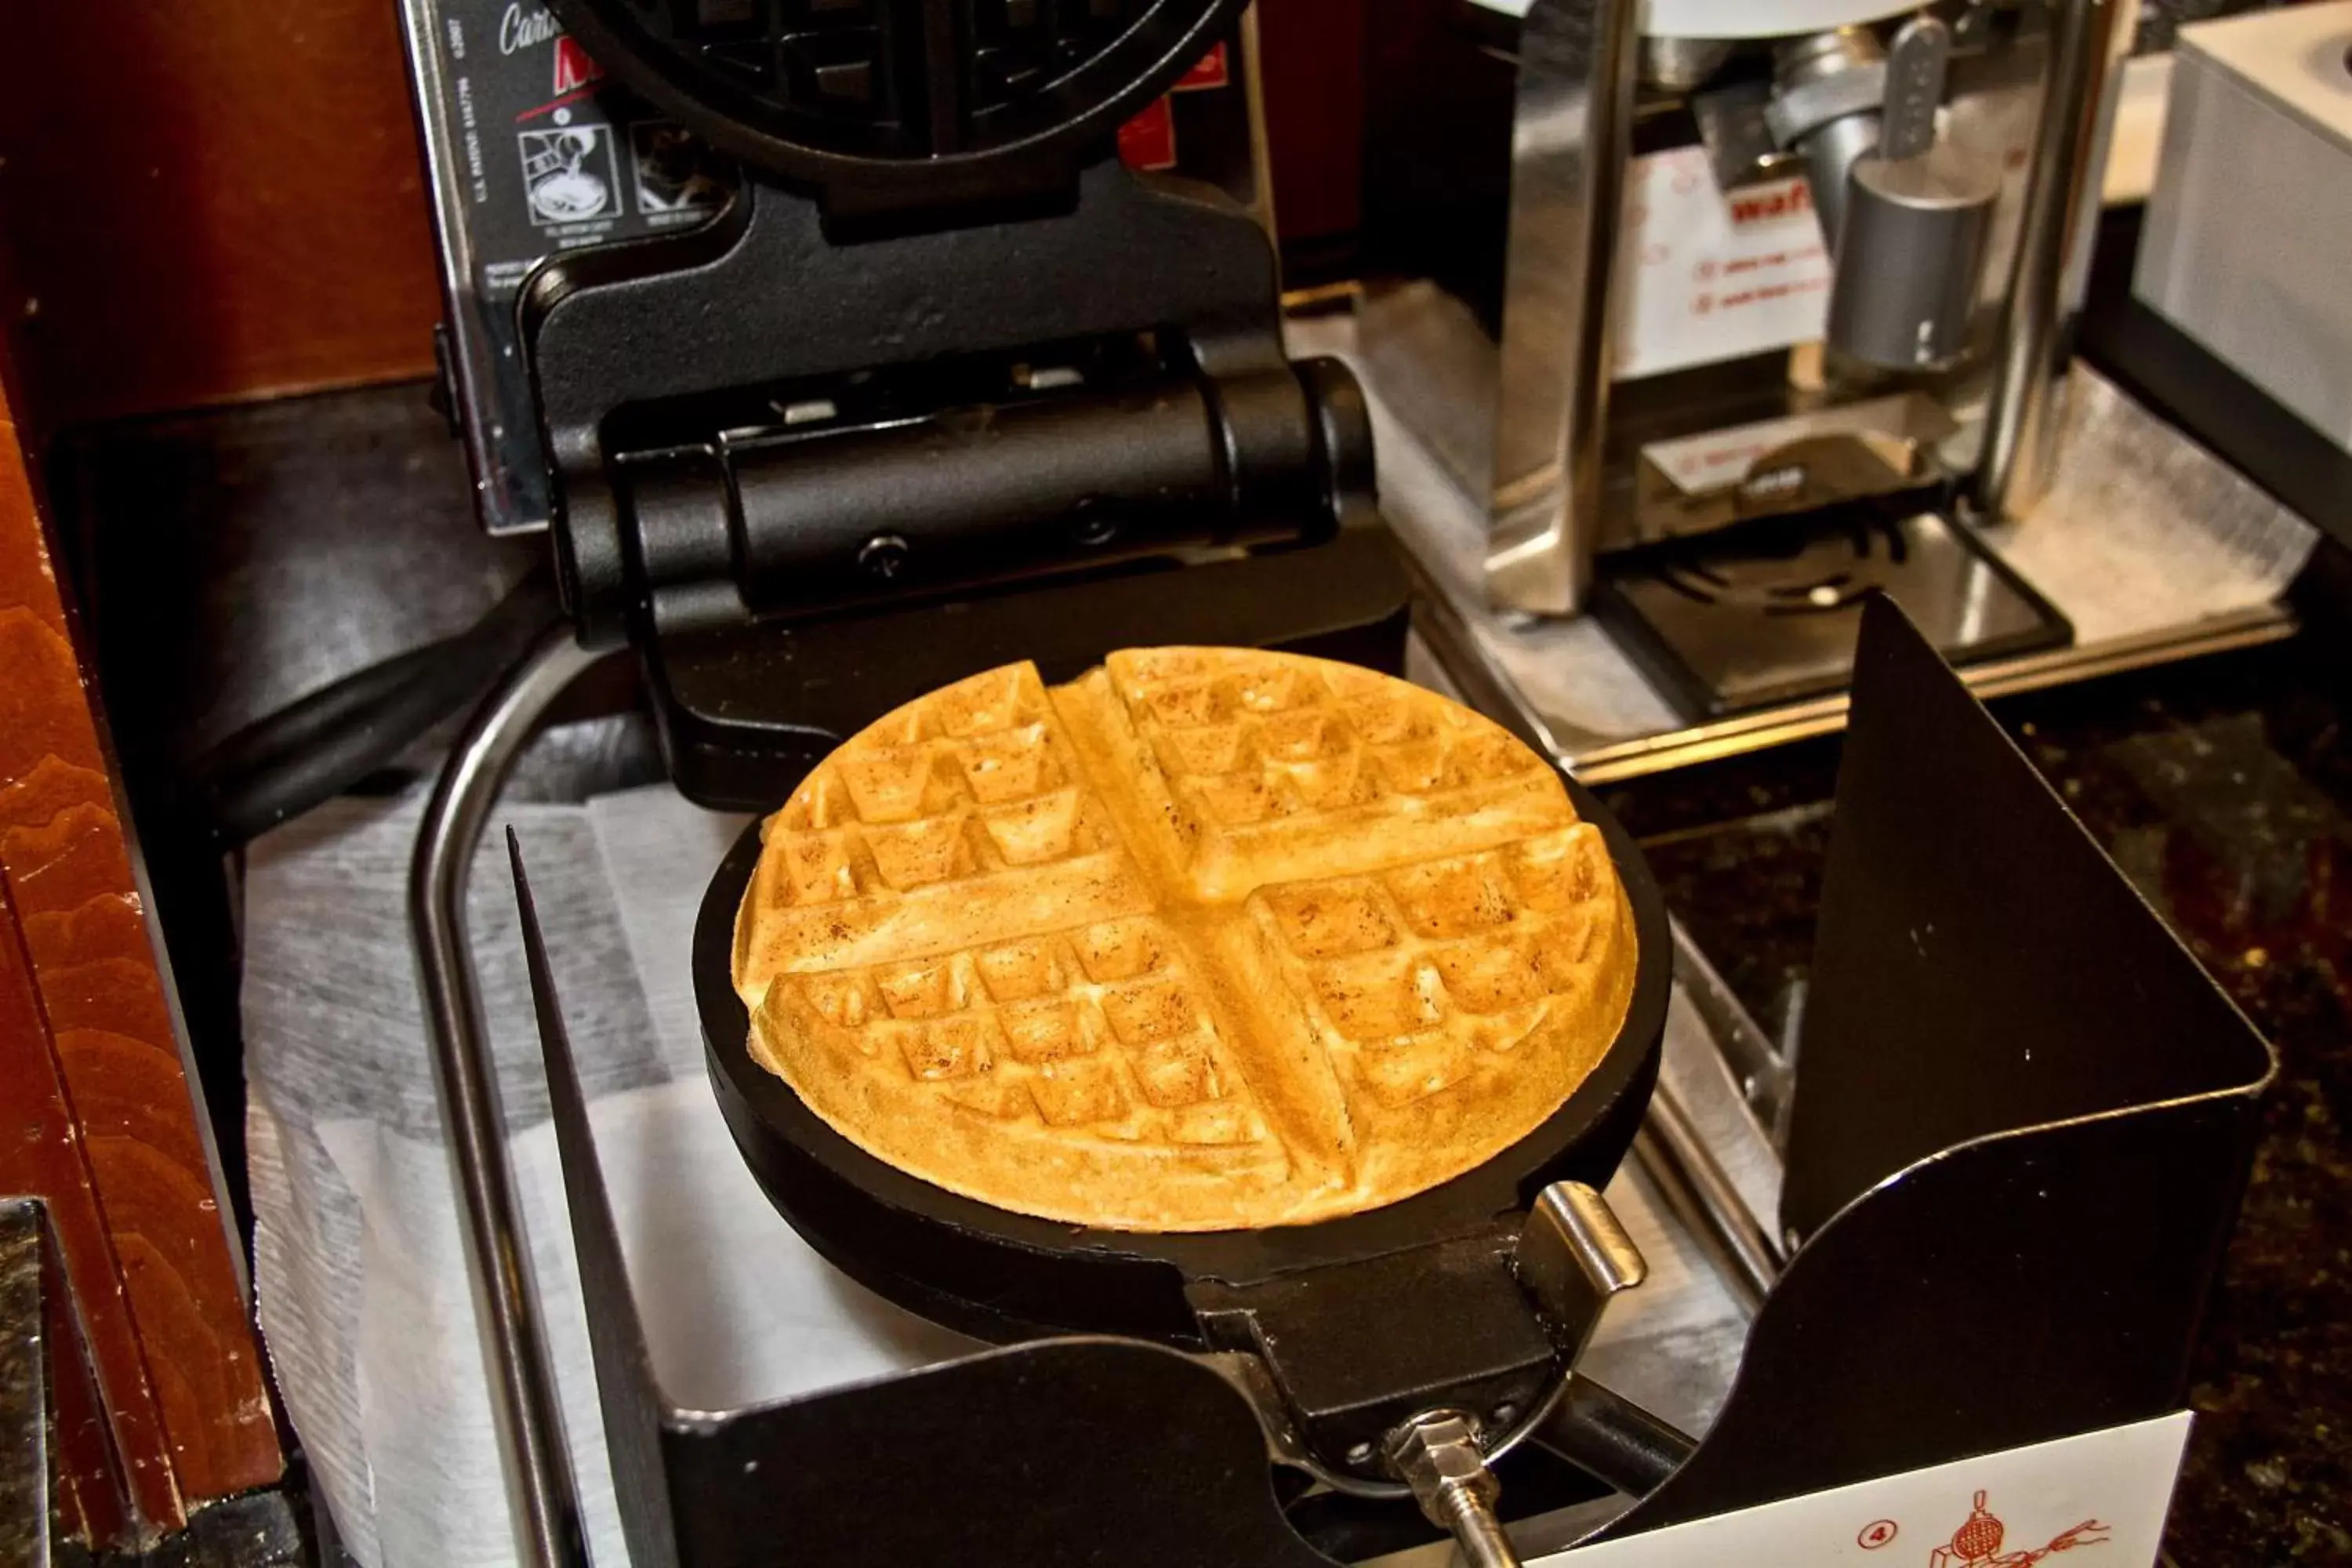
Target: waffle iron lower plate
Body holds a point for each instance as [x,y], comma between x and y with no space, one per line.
[1004,1276]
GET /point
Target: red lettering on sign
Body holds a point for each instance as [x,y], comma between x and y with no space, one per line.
[1771,202]
[573,69]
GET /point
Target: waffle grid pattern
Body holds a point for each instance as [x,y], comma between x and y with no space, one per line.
[1264,749]
[1099,1027]
[975,781]
[1323,855]
[1413,972]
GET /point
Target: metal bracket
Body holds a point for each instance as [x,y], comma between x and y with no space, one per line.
[1574,1255]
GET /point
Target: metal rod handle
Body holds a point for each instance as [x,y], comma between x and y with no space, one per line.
[2022,421]
[1695,1185]
[522,1381]
[1573,134]
[1476,1531]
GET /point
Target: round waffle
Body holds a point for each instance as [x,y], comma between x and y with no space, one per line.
[1205,939]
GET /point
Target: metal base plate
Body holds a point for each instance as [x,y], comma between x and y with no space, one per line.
[1768,612]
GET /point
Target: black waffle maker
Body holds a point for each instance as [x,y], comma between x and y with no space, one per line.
[943,386]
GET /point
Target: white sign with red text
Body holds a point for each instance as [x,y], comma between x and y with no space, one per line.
[2097,1500]
[1702,276]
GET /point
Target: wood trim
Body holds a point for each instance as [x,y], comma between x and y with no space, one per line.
[210,201]
[44,1158]
[127,1173]
[1312,62]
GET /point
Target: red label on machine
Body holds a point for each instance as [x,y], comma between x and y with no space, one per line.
[1148,141]
[1770,204]
[1209,70]
[573,69]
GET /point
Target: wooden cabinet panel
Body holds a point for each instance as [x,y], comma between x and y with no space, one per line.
[112,1133]
[210,200]
[1312,61]
[44,1156]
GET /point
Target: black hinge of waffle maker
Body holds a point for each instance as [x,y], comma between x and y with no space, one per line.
[905,418]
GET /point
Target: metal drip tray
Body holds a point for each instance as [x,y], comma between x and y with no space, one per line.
[1768,612]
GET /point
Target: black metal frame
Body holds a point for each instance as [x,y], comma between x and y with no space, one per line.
[785,580]
[804,457]
[1628,584]
[2017,1258]
[2022,1121]
[649,353]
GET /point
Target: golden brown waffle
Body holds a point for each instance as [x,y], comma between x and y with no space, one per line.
[1207,939]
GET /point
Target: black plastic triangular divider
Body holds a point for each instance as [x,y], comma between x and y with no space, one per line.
[2022,1124]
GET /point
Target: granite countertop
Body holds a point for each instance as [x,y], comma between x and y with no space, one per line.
[2224,791]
